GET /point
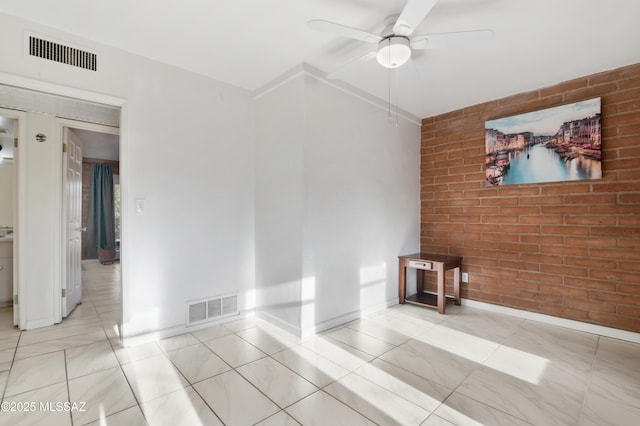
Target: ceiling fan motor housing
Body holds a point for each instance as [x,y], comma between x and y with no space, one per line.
[393,51]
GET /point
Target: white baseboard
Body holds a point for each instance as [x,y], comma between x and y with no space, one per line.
[562,322]
[274,320]
[319,327]
[153,336]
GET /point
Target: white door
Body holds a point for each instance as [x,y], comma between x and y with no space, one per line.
[72,196]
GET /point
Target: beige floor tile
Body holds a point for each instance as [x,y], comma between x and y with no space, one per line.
[183,407]
[9,342]
[106,392]
[573,349]
[210,333]
[486,325]
[197,362]
[129,417]
[60,344]
[553,403]
[375,402]
[138,352]
[462,344]
[344,355]
[379,331]
[177,342]
[431,363]
[601,410]
[234,350]
[281,385]
[460,410]
[308,364]
[267,339]
[360,341]
[153,377]
[234,400]
[320,409]
[413,388]
[434,420]
[43,407]
[281,418]
[89,359]
[242,324]
[36,372]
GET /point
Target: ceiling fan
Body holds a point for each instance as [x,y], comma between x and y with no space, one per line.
[396,42]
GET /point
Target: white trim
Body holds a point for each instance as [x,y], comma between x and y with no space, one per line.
[57,89]
[155,335]
[309,71]
[326,325]
[84,125]
[19,230]
[561,322]
[271,319]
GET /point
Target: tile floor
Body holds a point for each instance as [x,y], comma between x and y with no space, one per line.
[406,365]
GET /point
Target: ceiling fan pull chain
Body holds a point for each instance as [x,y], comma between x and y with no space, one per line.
[389,116]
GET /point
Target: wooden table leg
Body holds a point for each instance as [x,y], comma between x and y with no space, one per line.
[441,298]
[456,285]
[402,281]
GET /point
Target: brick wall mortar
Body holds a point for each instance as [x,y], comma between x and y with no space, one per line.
[568,249]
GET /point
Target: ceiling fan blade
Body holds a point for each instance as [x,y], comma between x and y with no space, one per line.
[340,70]
[454,39]
[342,30]
[412,15]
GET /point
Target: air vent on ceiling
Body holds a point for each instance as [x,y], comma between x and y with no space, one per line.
[60,53]
[211,309]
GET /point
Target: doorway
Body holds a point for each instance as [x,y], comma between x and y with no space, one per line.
[39,166]
[91,219]
[8,193]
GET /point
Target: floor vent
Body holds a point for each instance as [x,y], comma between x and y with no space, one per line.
[211,309]
[60,53]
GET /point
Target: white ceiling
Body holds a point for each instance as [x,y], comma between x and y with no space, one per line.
[248,43]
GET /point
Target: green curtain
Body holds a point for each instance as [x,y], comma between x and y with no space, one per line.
[101,231]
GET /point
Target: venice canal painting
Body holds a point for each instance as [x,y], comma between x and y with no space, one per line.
[556,144]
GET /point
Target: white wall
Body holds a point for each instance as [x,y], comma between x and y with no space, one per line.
[362,186]
[187,149]
[350,179]
[280,134]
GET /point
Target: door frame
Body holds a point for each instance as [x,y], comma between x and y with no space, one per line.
[20,118]
[68,124]
[80,94]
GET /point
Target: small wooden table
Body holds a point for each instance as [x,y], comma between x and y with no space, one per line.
[430,262]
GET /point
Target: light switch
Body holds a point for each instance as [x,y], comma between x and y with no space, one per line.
[139,205]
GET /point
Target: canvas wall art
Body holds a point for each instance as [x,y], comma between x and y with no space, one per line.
[562,143]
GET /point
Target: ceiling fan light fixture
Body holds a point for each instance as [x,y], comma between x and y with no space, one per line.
[393,51]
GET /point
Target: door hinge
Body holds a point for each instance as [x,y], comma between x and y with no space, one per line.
[64,147]
[15,142]
[64,292]
[15,299]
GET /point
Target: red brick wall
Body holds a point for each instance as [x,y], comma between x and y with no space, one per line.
[568,249]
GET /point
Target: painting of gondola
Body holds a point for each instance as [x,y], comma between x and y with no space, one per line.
[562,143]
